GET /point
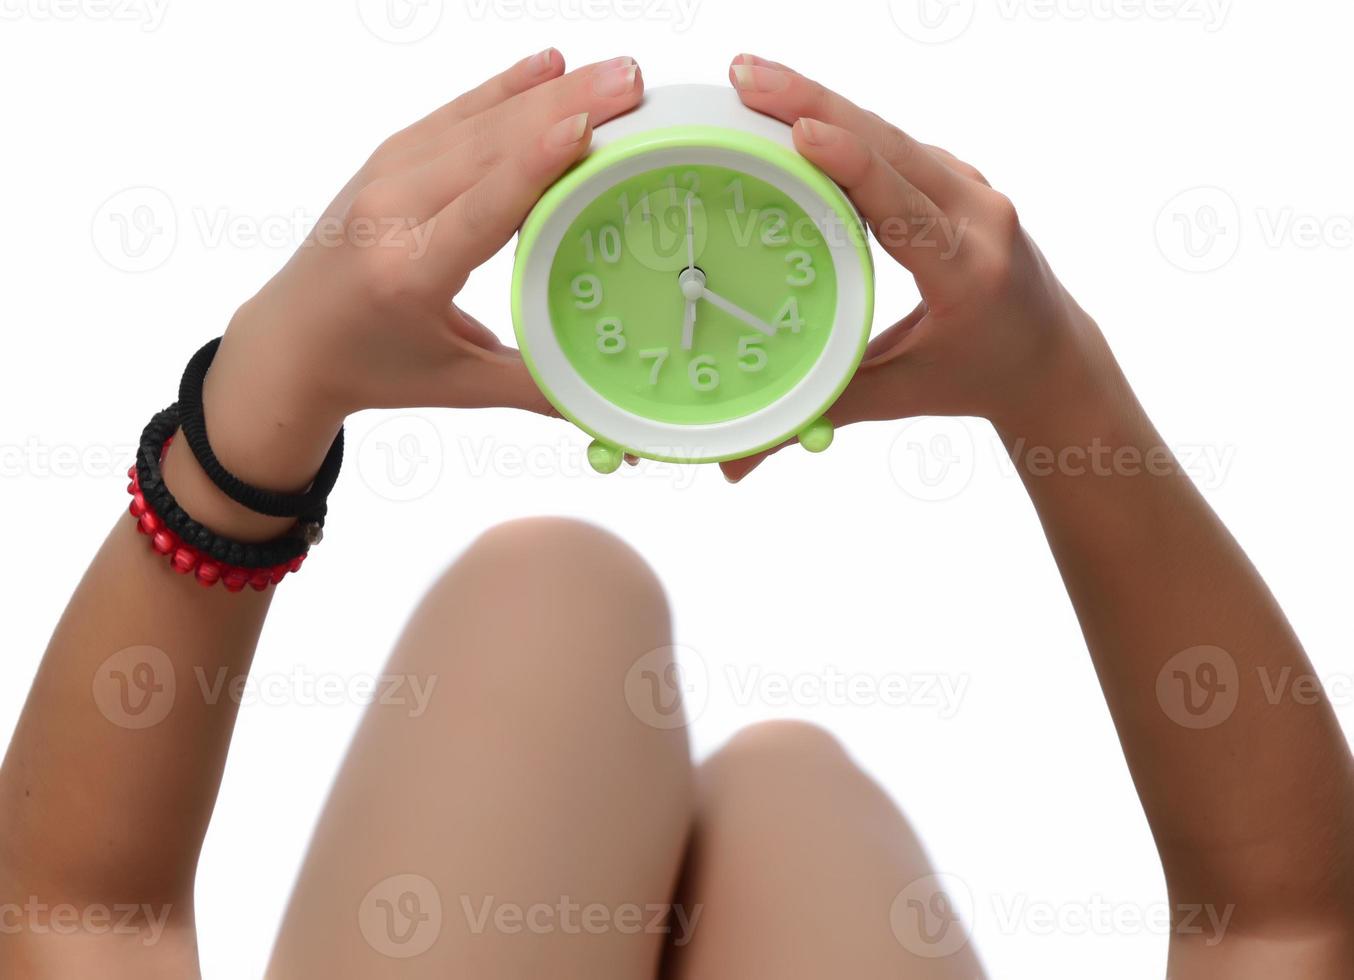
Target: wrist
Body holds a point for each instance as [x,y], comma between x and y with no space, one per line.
[267,424]
[1081,392]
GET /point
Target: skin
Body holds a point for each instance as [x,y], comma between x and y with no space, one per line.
[1254,814]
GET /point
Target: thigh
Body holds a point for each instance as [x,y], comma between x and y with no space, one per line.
[801,867]
[510,827]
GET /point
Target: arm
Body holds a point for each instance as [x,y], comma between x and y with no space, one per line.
[104,800]
[1250,796]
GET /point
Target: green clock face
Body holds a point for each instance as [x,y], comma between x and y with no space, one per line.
[693,295]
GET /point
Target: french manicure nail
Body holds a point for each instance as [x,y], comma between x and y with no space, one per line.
[754,78]
[816,133]
[622,62]
[615,81]
[540,62]
[569,131]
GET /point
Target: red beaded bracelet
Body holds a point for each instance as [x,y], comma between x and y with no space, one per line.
[186,559]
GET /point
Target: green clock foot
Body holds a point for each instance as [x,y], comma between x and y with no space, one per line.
[817,436]
[604,458]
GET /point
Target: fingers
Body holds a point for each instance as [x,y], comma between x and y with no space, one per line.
[604,90]
[472,228]
[486,141]
[789,97]
[521,77]
[902,216]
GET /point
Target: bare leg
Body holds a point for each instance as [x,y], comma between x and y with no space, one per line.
[801,867]
[523,824]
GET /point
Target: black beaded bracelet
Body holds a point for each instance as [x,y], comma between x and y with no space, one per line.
[309,507]
[245,555]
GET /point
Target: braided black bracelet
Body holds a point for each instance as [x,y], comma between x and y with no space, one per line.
[151,484]
[309,507]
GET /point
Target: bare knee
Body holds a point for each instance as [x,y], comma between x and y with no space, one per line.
[562,593]
[783,741]
[560,551]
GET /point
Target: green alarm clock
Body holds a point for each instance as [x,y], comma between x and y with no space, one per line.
[694,290]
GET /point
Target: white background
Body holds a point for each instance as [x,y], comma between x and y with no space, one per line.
[1094,119]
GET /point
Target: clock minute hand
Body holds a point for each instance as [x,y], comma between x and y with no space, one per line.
[720,303]
[690,234]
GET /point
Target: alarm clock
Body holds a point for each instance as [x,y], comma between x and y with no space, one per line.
[693,290]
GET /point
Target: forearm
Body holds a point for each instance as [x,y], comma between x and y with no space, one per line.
[111,776]
[1251,794]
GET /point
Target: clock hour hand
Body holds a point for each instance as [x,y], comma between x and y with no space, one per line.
[689,325]
[720,303]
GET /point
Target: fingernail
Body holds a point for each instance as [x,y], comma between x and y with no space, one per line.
[615,81]
[816,133]
[756,61]
[569,131]
[622,62]
[539,64]
[755,78]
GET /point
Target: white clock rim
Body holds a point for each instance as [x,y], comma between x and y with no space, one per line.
[710,442]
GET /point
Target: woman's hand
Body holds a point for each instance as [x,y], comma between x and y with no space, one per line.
[363,315]
[995,333]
